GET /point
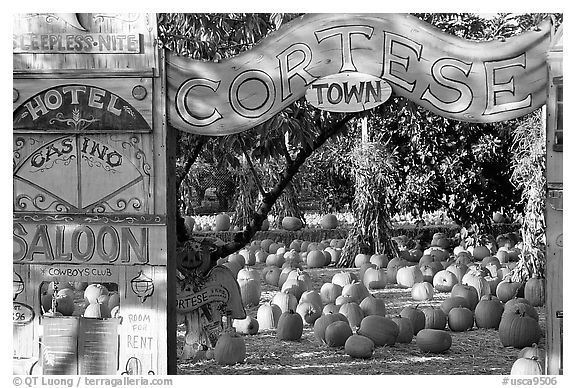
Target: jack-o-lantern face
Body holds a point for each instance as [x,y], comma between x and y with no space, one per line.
[198,255]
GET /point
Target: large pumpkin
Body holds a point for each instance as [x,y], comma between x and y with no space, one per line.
[422,291]
[405,330]
[358,346]
[315,259]
[460,319]
[444,280]
[352,312]
[527,366]
[329,221]
[322,323]
[355,290]
[342,278]
[467,292]
[312,297]
[488,312]
[416,317]
[222,222]
[230,349]
[507,289]
[433,340]
[371,305]
[535,291]
[476,280]
[392,268]
[250,291]
[408,276]
[285,301]
[375,278]
[329,292]
[381,330]
[435,318]
[291,223]
[268,315]
[337,333]
[458,269]
[271,275]
[290,326]
[309,312]
[379,260]
[361,258]
[518,330]
[519,306]
[294,286]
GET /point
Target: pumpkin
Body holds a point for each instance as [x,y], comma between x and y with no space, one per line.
[392,269]
[488,312]
[426,259]
[93,291]
[358,346]
[275,248]
[260,256]
[362,270]
[458,269]
[271,275]
[290,326]
[433,340]
[356,290]
[472,278]
[322,323]
[312,297]
[353,312]
[309,312]
[285,301]
[113,300]
[247,273]
[373,306]
[428,272]
[332,255]
[532,352]
[337,333]
[292,223]
[379,260]
[416,317]
[268,315]
[435,318]
[361,258]
[93,310]
[422,291]
[65,302]
[381,330]
[248,325]
[342,278]
[250,292]
[479,252]
[507,289]
[405,330]
[527,366]
[519,307]
[460,319]
[452,302]
[238,259]
[467,292]
[444,280]
[248,255]
[315,259]
[329,221]
[375,278]
[294,286]
[329,292]
[330,308]
[409,275]
[518,330]
[303,276]
[340,300]
[230,349]
[535,291]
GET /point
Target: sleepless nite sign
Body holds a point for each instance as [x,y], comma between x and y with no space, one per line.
[453,77]
[77,43]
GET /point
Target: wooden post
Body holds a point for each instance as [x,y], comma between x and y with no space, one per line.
[554,210]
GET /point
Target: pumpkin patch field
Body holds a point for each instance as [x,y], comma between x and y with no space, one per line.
[438,316]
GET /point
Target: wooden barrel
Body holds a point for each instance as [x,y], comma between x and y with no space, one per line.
[59,353]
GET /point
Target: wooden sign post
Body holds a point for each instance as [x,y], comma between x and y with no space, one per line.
[92,161]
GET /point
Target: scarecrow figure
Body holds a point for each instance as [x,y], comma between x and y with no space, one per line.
[206,293]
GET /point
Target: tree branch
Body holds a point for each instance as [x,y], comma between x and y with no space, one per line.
[251,166]
[242,238]
[191,160]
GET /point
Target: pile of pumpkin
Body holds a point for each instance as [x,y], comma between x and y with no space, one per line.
[481,294]
[95,301]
